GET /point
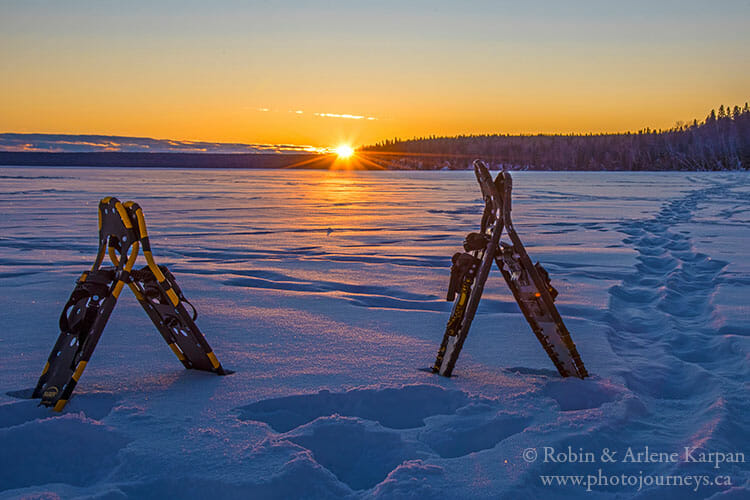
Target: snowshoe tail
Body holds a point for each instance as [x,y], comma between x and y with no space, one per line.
[158,293]
[81,324]
[530,284]
[86,312]
[469,274]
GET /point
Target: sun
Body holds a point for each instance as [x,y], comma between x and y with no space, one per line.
[344,151]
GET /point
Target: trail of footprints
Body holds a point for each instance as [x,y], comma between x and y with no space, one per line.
[661,314]
[664,326]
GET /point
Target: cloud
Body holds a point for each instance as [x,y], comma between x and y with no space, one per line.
[67,143]
[345,116]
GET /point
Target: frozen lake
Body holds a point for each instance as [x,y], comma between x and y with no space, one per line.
[309,281]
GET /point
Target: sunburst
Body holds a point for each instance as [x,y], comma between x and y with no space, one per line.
[344,151]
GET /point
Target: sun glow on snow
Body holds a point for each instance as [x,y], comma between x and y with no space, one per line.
[344,151]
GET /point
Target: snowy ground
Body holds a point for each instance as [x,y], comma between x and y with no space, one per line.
[324,291]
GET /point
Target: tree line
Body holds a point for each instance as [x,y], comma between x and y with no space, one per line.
[720,142]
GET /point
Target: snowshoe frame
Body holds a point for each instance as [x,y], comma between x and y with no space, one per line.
[122,233]
[528,282]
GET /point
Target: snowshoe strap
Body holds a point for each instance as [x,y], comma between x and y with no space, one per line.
[463,263]
[151,287]
[80,310]
[545,276]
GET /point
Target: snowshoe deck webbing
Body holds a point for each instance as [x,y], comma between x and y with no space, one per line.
[529,283]
[122,231]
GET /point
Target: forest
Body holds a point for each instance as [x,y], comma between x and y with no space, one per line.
[720,142]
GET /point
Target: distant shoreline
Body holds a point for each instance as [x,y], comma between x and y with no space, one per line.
[367,160]
[167,160]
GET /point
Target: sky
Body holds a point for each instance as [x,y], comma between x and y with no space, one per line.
[329,72]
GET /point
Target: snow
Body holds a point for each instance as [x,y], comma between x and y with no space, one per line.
[325,291]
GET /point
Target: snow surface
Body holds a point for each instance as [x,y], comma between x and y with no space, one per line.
[324,291]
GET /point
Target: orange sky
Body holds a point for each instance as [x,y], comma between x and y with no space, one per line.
[254,72]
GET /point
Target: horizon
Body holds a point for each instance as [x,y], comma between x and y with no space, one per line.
[305,74]
[62,142]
